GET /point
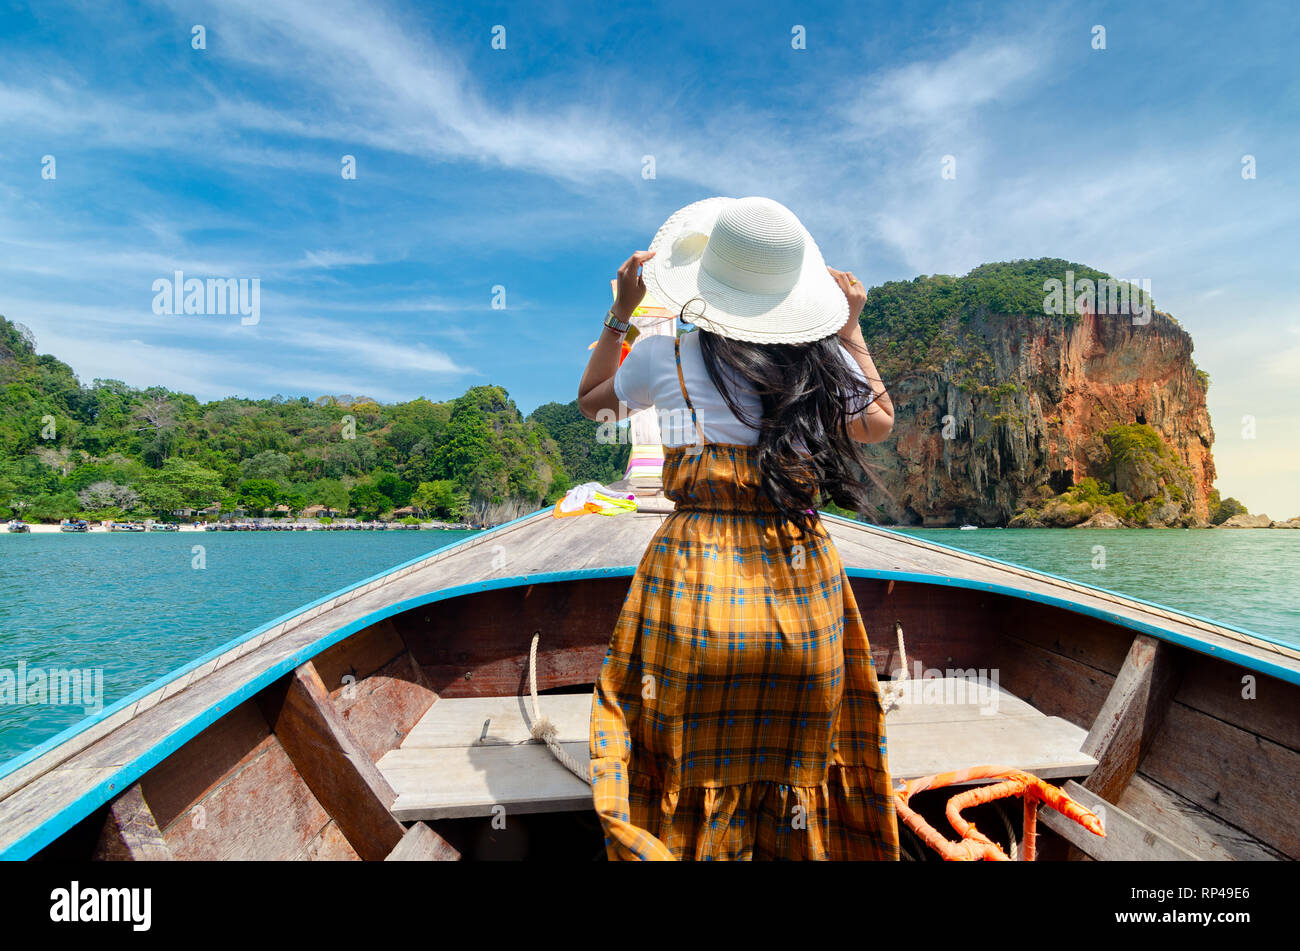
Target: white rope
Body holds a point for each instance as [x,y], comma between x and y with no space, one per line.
[543,729]
[891,693]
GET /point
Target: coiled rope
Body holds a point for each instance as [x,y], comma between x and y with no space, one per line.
[891,692]
[543,729]
[546,732]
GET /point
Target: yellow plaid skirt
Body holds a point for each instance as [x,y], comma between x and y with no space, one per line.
[737,714]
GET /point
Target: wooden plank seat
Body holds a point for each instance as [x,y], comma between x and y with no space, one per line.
[1127,839]
[467,756]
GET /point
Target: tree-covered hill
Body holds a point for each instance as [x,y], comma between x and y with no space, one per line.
[1003,404]
[1010,384]
[917,322]
[108,450]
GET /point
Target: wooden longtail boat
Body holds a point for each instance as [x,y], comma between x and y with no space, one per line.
[392,719]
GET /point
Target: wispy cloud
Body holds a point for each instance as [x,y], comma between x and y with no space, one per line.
[946,93]
[333,259]
[351,349]
[523,168]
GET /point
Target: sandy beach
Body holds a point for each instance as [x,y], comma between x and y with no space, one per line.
[37,528]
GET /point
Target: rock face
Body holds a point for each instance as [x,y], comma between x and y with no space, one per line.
[1000,412]
[1102,519]
[1248,521]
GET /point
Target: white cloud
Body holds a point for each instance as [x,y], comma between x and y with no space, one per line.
[949,91]
[136,362]
[332,259]
[345,348]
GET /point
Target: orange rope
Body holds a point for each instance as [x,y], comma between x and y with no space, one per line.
[975,845]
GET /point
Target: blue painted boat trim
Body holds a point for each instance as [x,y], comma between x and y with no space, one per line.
[1230,654]
[77,728]
[37,838]
[1074,581]
[42,835]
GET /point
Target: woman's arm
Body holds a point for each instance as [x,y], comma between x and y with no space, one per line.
[877,422]
[596,390]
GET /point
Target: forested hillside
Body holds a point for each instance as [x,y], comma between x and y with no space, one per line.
[1003,412]
[107,450]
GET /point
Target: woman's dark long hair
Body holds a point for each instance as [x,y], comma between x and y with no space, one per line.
[808,393]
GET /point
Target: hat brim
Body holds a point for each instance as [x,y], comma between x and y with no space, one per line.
[814,308]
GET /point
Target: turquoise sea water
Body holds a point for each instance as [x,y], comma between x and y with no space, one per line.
[1248,578]
[134,606]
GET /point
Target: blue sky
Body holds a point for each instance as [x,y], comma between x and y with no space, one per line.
[522,168]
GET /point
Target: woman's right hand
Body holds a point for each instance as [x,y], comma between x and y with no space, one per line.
[631,286]
[856,294]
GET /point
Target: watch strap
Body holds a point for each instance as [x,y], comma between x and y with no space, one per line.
[613,323]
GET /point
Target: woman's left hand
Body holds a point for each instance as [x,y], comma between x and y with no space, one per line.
[856,293]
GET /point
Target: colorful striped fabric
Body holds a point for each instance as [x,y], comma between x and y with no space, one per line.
[737,714]
[645,465]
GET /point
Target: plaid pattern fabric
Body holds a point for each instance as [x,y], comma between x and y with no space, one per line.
[737,714]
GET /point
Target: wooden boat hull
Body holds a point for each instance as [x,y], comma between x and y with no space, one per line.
[272,746]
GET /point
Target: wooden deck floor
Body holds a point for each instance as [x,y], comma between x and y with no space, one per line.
[468,756]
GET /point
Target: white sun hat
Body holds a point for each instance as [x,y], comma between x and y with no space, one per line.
[756,271]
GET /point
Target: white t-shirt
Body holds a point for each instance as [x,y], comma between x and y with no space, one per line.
[648,377]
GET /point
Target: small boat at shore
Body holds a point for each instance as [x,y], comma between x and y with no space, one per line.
[392,719]
[164,527]
[17,527]
[74,525]
[300,527]
[969,528]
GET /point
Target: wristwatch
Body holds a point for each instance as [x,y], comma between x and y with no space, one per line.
[616,325]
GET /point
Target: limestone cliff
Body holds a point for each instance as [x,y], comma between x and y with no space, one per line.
[1000,407]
